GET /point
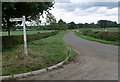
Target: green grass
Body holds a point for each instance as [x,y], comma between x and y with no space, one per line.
[21,32]
[0,63]
[95,39]
[102,29]
[42,53]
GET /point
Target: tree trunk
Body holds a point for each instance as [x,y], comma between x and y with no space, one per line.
[8,32]
[8,26]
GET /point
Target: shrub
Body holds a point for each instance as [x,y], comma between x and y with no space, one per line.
[85,32]
[11,41]
[109,36]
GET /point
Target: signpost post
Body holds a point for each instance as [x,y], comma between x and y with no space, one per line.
[25,38]
[24,32]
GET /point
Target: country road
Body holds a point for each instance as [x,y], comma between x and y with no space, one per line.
[94,61]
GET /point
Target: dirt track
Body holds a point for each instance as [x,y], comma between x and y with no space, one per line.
[95,61]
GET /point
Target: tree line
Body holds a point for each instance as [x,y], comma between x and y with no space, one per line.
[62,25]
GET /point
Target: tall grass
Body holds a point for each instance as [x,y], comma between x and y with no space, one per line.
[42,53]
[100,36]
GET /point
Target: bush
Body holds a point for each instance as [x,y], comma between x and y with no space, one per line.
[86,32]
[109,36]
[11,41]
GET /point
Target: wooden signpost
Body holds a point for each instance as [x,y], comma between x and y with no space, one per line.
[24,32]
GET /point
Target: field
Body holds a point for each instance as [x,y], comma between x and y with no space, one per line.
[21,32]
[107,36]
[102,29]
[42,53]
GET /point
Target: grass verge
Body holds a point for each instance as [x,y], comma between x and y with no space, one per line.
[42,53]
[27,32]
[95,39]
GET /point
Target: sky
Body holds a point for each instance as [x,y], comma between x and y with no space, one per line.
[82,11]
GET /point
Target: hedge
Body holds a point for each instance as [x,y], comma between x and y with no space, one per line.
[11,41]
[109,36]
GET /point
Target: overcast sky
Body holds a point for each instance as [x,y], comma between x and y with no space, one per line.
[81,11]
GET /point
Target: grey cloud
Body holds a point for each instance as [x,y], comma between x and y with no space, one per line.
[72,6]
[62,1]
[106,4]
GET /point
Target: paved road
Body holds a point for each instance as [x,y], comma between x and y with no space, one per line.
[94,61]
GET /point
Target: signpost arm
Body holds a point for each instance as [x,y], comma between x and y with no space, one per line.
[25,38]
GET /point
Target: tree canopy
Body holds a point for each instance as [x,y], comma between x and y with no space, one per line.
[72,25]
[18,9]
[106,23]
[62,24]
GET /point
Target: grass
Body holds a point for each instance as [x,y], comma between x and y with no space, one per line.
[21,32]
[95,39]
[114,29]
[0,63]
[42,53]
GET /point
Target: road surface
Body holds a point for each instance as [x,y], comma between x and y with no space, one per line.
[94,61]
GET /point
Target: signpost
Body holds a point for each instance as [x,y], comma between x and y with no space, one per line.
[15,19]
[24,32]
[25,38]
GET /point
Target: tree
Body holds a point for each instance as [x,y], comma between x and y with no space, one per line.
[111,24]
[79,25]
[86,25]
[71,25]
[37,20]
[102,23]
[107,23]
[62,25]
[91,25]
[50,18]
[18,9]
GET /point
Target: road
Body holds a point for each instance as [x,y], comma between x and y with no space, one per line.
[94,61]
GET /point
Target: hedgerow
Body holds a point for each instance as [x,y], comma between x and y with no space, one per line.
[11,41]
[109,36]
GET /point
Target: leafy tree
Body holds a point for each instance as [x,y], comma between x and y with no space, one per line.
[18,9]
[79,25]
[71,25]
[50,18]
[91,25]
[111,24]
[62,25]
[86,25]
[102,23]
[106,23]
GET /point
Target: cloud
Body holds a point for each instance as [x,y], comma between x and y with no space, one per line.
[80,15]
[62,1]
[113,12]
[92,9]
[84,5]
[94,0]
[102,10]
[72,6]
[76,1]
